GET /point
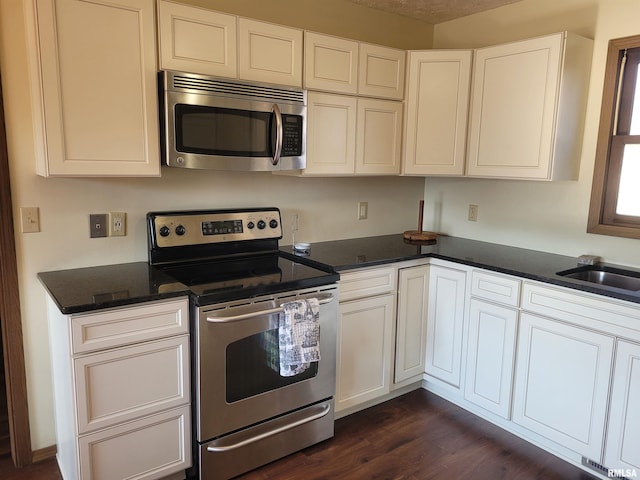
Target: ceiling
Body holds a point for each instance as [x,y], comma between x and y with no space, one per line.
[434,11]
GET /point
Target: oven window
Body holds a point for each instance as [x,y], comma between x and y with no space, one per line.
[223,131]
[253,367]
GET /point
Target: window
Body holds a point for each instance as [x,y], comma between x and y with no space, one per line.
[615,196]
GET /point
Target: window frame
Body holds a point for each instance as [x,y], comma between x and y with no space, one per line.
[608,161]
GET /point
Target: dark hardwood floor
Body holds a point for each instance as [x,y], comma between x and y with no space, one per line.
[417,436]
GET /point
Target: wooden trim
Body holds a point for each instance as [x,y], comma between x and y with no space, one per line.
[44,454]
[609,92]
[11,324]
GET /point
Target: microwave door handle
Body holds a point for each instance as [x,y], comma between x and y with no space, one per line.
[278,147]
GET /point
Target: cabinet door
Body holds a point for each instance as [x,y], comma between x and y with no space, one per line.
[331,134]
[269,53]
[197,40]
[411,330]
[444,324]
[330,63]
[381,71]
[562,383]
[99,94]
[364,350]
[490,356]
[153,447]
[623,437]
[379,137]
[436,112]
[513,108]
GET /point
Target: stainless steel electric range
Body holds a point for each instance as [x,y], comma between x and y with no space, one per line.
[246,412]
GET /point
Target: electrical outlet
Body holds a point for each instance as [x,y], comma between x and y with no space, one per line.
[117,224]
[30,219]
[473,213]
[98,225]
[363,210]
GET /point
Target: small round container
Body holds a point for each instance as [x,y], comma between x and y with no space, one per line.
[302,247]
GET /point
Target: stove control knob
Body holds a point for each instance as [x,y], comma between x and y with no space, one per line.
[180,230]
[251,225]
[273,223]
[164,231]
[261,224]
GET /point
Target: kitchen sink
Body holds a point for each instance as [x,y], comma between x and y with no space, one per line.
[606,276]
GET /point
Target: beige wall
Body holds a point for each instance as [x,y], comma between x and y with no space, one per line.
[326,207]
[545,216]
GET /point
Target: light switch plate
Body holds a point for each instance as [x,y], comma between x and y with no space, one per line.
[30,219]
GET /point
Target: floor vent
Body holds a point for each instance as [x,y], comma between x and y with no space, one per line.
[607,472]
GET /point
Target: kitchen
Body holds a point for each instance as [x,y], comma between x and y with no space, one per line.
[510,212]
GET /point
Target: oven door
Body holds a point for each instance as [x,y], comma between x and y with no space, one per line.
[238,383]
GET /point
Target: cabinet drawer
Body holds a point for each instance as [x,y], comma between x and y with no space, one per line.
[365,283]
[123,326]
[494,287]
[153,447]
[124,384]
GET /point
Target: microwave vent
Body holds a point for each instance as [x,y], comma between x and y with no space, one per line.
[216,86]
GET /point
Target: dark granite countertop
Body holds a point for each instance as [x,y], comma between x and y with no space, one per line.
[344,255]
[94,288]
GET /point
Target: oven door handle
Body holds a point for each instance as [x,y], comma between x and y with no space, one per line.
[319,412]
[323,298]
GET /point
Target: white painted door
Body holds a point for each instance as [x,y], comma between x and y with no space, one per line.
[330,63]
[411,330]
[379,137]
[331,134]
[269,53]
[436,112]
[444,324]
[381,71]
[623,437]
[490,356]
[197,40]
[513,108]
[99,87]
[562,383]
[364,350]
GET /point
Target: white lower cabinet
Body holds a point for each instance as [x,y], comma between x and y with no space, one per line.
[623,437]
[490,356]
[122,391]
[411,328]
[562,383]
[365,336]
[445,315]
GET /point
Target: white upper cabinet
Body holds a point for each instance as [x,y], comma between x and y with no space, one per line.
[269,53]
[378,137]
[437,103]
[527,108]
[197,40]
[381,71]
[96,100]
[330,64]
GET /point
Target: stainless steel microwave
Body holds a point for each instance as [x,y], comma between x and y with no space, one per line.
[224,124]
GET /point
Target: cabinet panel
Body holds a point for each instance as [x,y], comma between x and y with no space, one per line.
[165,440]
[379,137]
[444,324]
[331,117]
[99,95]
[436,112]
[381,71]
[364,350]
[123,326]
[494,287]
[490,356]
[123,384]
[269,53]
[562,383]
[623,437]
[366,283]
[197,40]
[330,63]
[411,331]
